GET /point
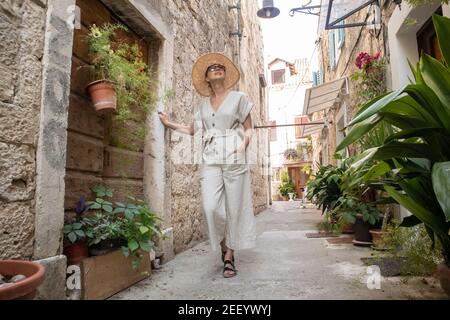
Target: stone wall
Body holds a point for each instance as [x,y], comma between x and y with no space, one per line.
[22,25]
[197,26]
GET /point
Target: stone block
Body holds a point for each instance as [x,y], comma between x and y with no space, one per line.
[125,187]
[17,171]
[7,82]
[83,119]
[17,124]
[84,153]
[54,285]
[16,230]
[9,39]
[77,184]
[120,163]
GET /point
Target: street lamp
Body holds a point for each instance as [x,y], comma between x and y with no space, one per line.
[268,10]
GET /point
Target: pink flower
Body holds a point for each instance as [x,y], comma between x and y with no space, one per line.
[364,60]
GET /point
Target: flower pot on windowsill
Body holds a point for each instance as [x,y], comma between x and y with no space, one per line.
[24,289]
[75,252]
[103,96]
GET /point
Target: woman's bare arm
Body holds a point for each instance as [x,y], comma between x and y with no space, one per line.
[164,117]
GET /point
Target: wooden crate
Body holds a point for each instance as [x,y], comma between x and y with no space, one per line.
[104,276]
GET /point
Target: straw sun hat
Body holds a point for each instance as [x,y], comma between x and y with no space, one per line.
[232,74]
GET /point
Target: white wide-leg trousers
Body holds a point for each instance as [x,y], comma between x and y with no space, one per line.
[228,205]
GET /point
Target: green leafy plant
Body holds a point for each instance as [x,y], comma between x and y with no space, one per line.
[324,190]
[122,64]
[286,186]
[418,152]
[130,223]
[139,227]
[348,207]
[76,230]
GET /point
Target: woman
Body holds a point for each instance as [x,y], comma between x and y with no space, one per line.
[226,124]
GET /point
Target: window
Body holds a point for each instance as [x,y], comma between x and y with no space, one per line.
[273,131]
[332,48]
[427,40]
[317,78]
[278,76]
[336,38]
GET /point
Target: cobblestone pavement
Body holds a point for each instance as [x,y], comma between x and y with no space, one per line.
[284,265]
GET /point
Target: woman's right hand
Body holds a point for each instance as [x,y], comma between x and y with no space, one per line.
[164,117]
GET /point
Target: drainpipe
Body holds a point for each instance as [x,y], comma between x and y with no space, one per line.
[270,169]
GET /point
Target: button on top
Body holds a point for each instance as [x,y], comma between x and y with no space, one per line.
[213,114]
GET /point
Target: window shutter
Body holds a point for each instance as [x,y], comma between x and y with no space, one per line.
[315,78]
[331,45]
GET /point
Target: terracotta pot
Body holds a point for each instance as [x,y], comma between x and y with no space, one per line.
[443,273]
[103,96]
[25,289]
[347,228]
[378,237]
[76,252]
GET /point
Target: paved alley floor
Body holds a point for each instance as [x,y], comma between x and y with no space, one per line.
[284,265]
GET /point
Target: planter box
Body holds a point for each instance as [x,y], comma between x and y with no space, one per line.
[104,276]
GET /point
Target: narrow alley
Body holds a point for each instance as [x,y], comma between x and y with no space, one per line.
[285,265]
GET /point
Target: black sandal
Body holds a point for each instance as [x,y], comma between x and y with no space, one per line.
[226,268]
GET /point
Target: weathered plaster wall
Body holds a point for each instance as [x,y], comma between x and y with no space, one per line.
[22,26]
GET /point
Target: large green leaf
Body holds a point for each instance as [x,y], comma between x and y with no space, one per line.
[359,130]
[372,108]
[396,149]
[423,214]
[440,178]
[410,221]
[437,77]
[429,105]
[442,27]
[416,132]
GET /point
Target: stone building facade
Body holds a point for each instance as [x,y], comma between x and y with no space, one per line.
[347,43]
[40,136]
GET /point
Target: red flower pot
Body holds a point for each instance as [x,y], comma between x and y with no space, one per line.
[103,96]
[26,288]
[76,252]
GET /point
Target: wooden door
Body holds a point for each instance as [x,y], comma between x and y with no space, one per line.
[294,175]
[97,150]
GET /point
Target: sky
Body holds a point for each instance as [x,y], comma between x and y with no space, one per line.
[289,37]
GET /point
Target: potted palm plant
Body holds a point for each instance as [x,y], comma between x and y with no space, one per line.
[418,152]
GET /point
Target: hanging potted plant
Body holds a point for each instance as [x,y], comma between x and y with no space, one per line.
[121,75]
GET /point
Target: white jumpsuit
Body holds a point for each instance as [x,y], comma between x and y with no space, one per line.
[225,175]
